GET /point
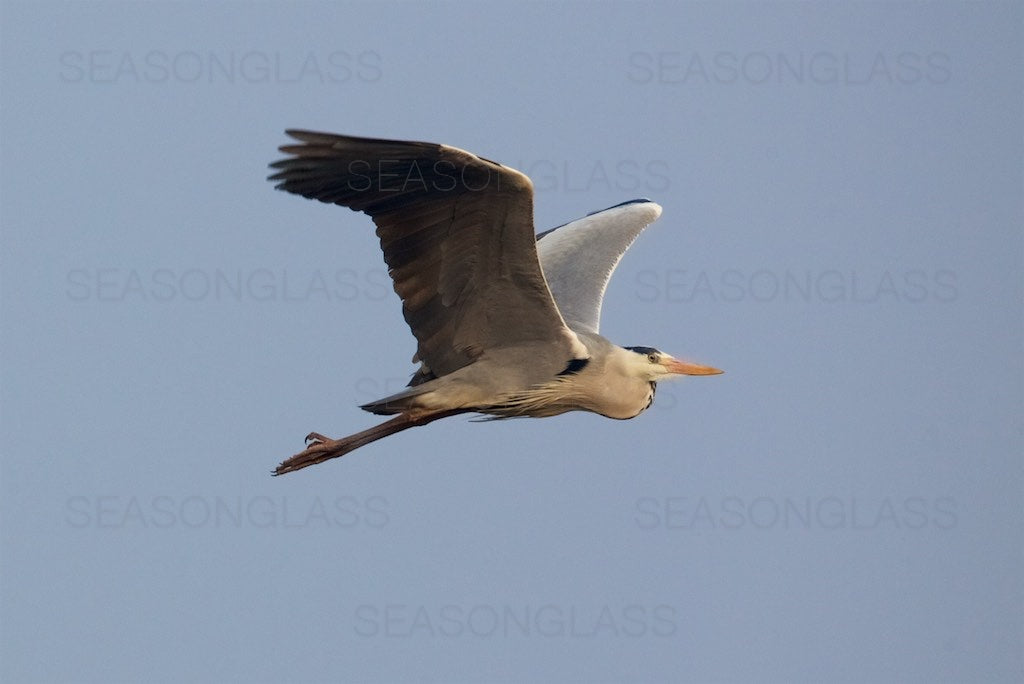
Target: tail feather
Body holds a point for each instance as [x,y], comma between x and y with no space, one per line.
[400,402]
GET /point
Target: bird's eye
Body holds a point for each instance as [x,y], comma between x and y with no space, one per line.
[653,358]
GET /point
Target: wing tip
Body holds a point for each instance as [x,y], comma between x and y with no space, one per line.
[654,206]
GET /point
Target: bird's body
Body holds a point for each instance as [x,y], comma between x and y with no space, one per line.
[531,385]
[506,321]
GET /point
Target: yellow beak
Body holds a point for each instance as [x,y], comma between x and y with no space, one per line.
[684,368]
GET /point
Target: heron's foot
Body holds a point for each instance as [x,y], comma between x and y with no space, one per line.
[318,449]
[315,438]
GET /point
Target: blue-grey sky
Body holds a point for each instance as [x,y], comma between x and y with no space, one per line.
[842,233]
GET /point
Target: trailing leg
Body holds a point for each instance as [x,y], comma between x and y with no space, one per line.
[322,448]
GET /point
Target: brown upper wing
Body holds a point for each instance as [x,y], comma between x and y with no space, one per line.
[457,234]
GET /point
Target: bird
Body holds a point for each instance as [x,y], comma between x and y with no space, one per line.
[506,321]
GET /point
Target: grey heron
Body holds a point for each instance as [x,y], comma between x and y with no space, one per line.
[506,321]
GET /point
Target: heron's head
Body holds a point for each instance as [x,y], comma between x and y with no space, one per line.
[656,365]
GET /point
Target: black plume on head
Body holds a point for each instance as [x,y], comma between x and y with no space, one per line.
[644,351]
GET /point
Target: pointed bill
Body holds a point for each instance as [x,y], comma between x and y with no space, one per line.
[686,368]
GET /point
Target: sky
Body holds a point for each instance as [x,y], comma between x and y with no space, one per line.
[842,234]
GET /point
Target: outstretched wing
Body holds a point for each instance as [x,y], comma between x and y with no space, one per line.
[457,234]
[579,258]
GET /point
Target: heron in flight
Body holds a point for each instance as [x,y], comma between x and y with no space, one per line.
[506,321]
